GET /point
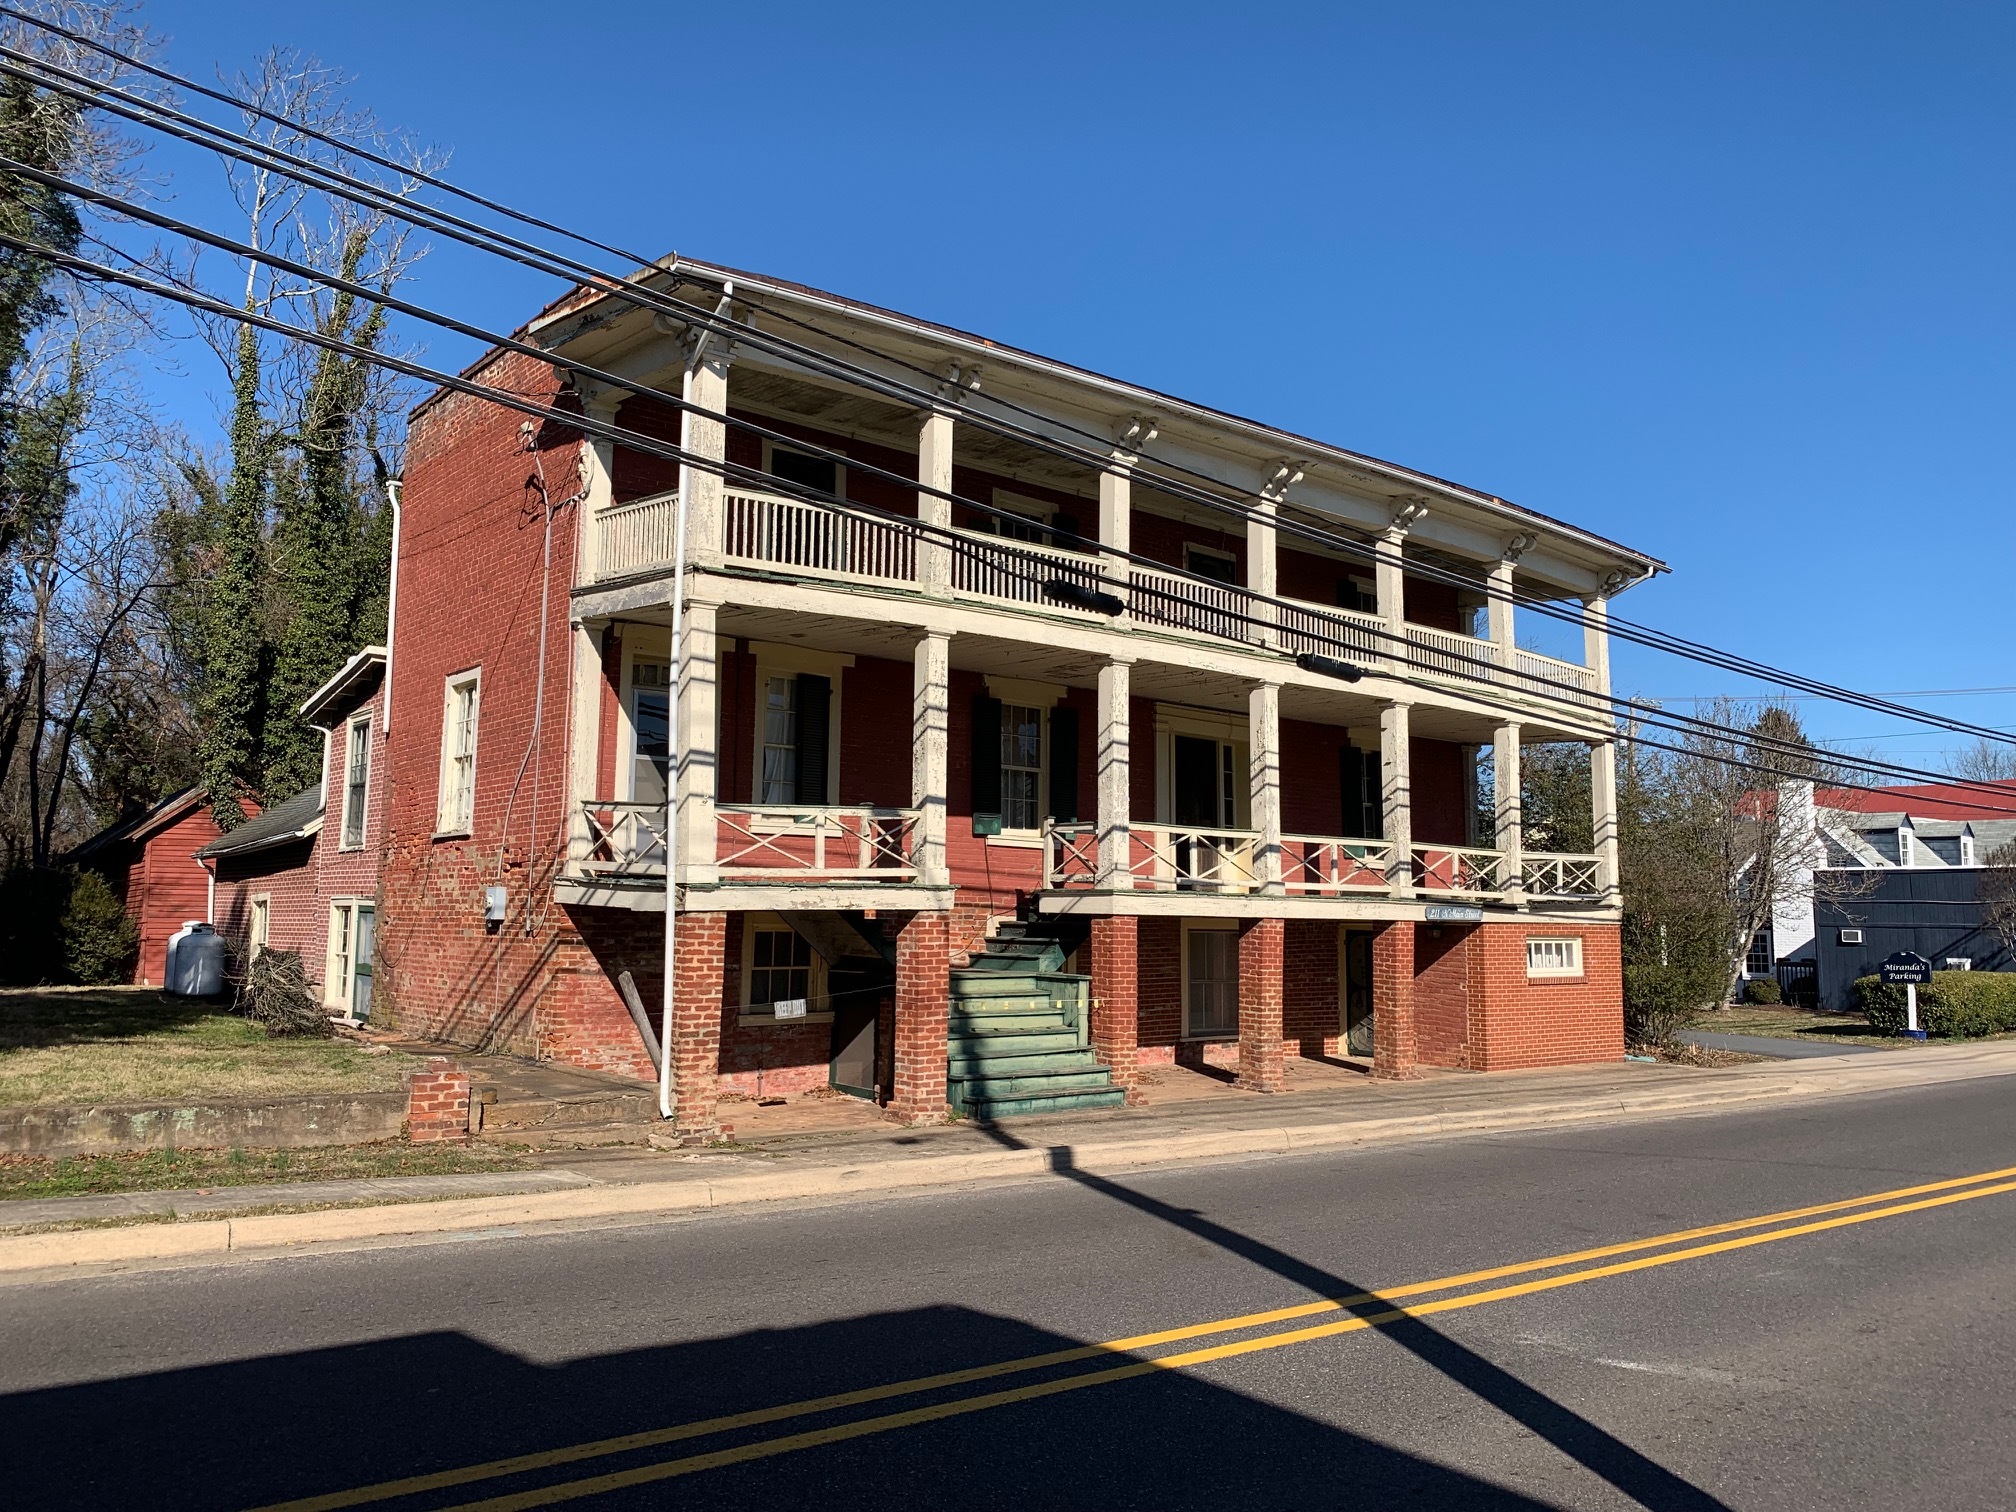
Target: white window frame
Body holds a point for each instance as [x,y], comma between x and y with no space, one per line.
[1198,548]
[338,966]
[455,809]
[1966,850]
[815,989]
[789,661]
[1568,949]
[804,449]
[1227,730]
[356,742]
[1209,926]
[258,924]
[1025,693]
[1957,963]
[633,656]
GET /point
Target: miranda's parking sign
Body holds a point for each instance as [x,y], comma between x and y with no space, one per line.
[1906,968]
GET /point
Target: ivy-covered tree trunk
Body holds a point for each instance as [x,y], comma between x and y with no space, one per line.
[233,701]
[323,519]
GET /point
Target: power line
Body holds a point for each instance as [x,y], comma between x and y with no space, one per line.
[333,181]
[1580,699]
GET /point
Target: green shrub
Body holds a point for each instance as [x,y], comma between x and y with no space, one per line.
[1954,1005]
[1763,992]
[99,940]
[1660,1001]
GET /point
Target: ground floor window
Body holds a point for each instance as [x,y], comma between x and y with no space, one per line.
[1553,958]
[1757,960]
[258,926]
[1210,982]
[779,967]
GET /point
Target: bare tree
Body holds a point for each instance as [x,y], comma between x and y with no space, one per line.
[1984,761]
[1998,894]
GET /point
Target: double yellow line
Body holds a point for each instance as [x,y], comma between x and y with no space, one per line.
[1853,1210]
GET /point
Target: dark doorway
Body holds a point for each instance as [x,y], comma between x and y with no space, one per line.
[1195,799]
[1357,992]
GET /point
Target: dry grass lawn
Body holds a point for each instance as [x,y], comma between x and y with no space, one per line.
[128,1045]
[1799,1023]
[28,1176]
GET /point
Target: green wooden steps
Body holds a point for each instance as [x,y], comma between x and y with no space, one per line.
[1018,1031]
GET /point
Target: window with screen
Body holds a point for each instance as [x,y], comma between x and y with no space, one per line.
[1021,767]
[356,781]
[1553,957]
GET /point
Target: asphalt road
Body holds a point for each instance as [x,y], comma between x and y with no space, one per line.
[1870,1361]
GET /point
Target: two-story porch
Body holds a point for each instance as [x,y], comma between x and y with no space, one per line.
[934,679]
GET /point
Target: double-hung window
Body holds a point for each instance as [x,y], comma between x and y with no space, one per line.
[780,968]
[458,754]
[1021,767]
[356,780]
[1210,982]
[780,740]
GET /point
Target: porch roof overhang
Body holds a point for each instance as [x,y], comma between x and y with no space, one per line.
[602,328]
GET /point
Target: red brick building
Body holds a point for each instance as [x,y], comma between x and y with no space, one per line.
[993,797]
[303,875]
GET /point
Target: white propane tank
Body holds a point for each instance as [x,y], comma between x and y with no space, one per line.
[196,960]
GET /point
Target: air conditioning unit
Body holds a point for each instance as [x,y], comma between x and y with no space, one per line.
[1851,937]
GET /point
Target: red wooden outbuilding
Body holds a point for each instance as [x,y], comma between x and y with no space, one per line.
[150,860]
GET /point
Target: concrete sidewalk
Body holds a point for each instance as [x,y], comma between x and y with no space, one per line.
[630,1185]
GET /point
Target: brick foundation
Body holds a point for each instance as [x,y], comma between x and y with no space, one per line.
[1394,1038]
[696,1021]
[437,1103]
[1260,957]
[1116,1016]
[923,1012]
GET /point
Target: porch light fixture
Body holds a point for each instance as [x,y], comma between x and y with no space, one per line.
[1078,596]
[1329,666]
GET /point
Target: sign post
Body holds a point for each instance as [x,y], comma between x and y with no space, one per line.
[1908,970]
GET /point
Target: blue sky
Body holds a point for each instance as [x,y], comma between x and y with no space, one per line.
[1730,283]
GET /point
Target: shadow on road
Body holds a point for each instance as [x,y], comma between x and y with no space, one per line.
[251,1432]
[1643,1479]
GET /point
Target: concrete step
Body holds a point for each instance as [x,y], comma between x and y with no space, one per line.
[610,1107]
[1062,1102]
[990,1087]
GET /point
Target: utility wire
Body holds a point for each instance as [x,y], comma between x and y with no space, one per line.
[150,114]
[1579,698]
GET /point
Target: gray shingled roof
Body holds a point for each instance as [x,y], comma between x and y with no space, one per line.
[287,820]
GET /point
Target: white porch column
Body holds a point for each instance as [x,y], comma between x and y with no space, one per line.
[584,746]
[706,384]
[1511,814]
[1113,759]
[931,705]
[696,776]
[1396,796]
[1116,530]
[598,481]
[934,470]
[1390,578]
[1263,725]
[1596,641]
[1602,753]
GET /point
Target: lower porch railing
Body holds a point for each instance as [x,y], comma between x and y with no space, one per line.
[754,842]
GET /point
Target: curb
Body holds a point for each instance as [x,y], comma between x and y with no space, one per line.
[280,1233]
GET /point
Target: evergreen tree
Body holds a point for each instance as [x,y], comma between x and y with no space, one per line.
[232,697]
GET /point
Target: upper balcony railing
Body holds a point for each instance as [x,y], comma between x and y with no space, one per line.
[778,534]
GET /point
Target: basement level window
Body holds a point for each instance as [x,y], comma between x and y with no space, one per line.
[1553,958]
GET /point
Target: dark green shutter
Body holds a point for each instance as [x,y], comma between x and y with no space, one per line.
[986,754]
[815,719]
[1064,764]
[1364,810]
